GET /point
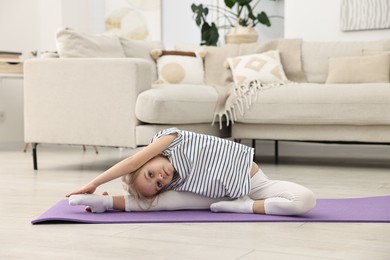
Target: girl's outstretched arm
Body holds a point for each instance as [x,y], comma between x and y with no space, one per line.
[128,165]
[169,200]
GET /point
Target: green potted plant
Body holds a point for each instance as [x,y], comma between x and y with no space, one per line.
[241,18]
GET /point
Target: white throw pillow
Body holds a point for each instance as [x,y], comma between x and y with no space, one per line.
[74,44]
[264,67]
[179,67]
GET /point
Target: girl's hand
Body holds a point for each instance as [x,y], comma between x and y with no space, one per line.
[89,209]
[87,189]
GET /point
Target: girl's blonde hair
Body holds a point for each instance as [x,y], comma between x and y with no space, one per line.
[128,181]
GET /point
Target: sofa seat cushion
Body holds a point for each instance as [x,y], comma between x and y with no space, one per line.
[310,103]
[176,104]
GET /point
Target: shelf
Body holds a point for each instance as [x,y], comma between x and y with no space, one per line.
[11,67]
[9,75]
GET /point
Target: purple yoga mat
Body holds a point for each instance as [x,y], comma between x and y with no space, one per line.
[372,209]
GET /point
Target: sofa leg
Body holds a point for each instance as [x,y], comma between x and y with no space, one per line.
[95,148]
[276,151]
[34,154]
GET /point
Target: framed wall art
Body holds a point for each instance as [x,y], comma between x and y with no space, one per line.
[364,15]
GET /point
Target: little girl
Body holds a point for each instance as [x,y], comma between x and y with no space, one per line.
[198,171]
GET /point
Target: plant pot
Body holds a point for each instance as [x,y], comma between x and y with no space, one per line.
[240,34]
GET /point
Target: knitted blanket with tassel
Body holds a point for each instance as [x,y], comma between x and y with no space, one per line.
[232,97]
[238,97]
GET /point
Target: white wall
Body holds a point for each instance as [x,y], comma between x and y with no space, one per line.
[179,27]
[27,25]
[50,18]
[319,20]
[30,25]
[19,24]
[82,15]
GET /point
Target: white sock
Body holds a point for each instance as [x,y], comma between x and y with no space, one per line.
[240,205]
[97,203]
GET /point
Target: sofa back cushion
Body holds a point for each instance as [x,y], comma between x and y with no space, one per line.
[369,53]
[141,49]
[217,74]
[315,55]
[290,55]
[215,71]
[75,44]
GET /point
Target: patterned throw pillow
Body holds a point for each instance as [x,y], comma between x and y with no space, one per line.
[264,67]
[177,67]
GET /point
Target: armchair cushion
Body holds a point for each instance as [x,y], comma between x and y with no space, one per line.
[74,44]
[141,49]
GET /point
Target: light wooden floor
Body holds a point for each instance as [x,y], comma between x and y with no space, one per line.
[331,171]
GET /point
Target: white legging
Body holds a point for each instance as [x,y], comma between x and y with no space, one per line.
[281,197]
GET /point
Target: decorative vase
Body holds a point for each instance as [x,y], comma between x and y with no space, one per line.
[240,34]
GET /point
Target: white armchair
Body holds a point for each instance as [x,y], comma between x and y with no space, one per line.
[85,101]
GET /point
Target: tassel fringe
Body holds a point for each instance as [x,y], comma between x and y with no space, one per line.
[242,98]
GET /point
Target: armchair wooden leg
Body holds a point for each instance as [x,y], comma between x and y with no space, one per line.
[95,148]
[25,147]
[34,154]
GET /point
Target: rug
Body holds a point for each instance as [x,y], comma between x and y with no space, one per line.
[371,209]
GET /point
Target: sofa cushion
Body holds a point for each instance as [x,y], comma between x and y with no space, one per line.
[371,52]
[141,49]
[342,104]
[176,104]
[290,55]
[215,71]
[73,44]
[359,69]
[315,55]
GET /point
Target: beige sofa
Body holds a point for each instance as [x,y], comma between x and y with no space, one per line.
[321,111]
[112,101]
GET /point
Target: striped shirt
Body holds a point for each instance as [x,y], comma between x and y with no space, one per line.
[208,165]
